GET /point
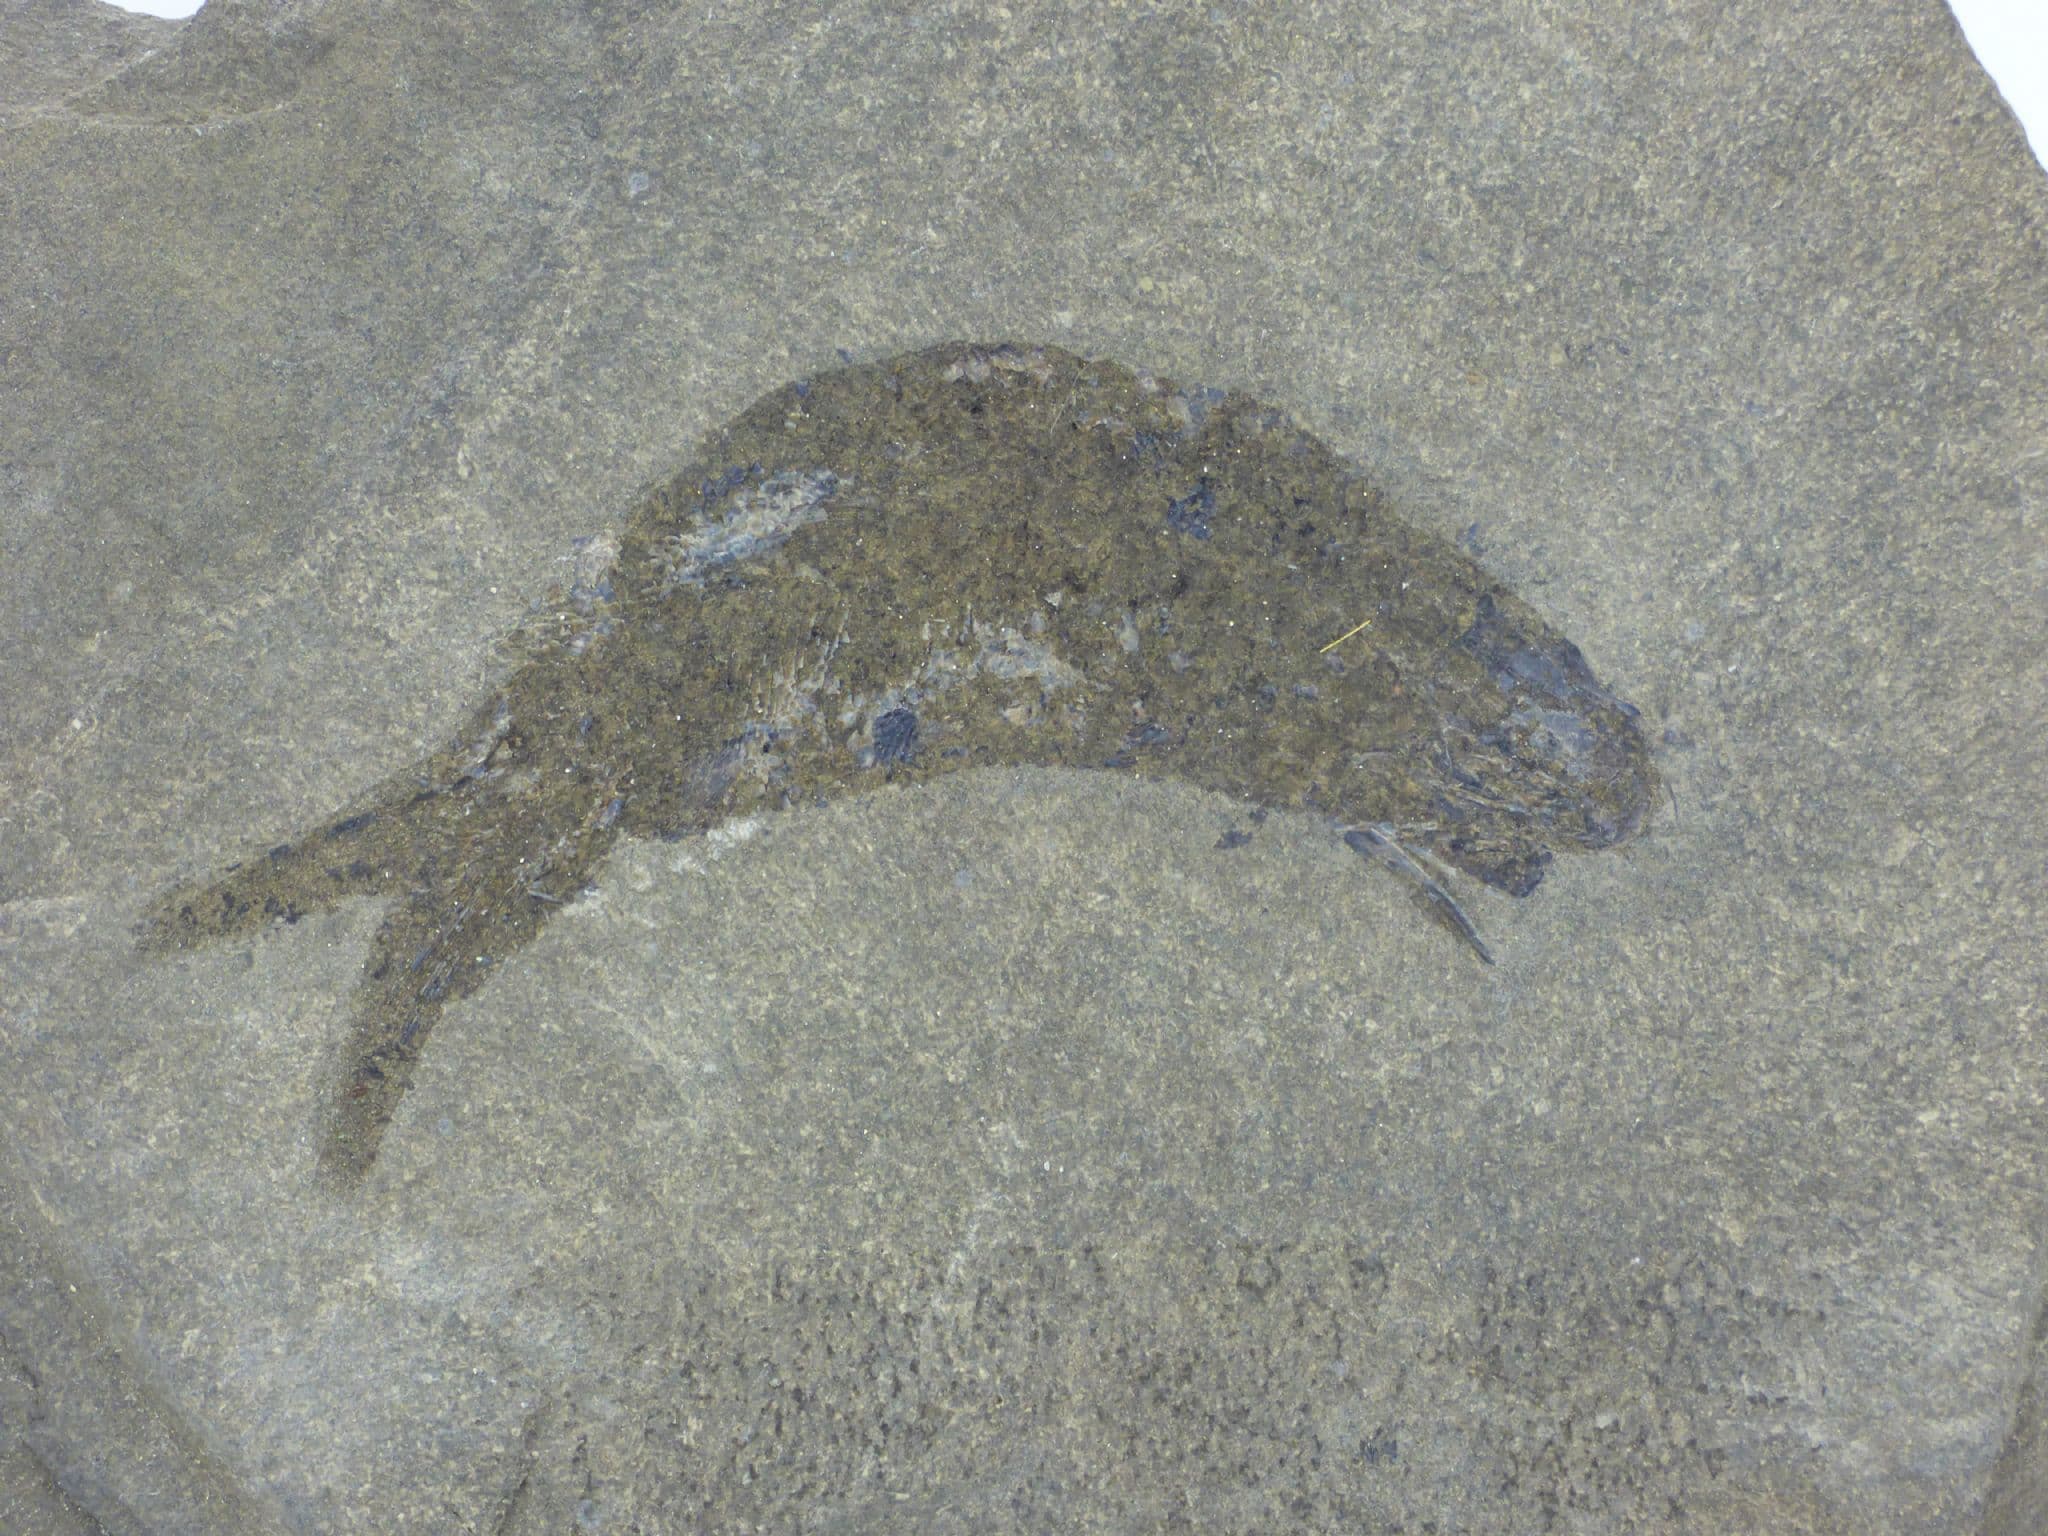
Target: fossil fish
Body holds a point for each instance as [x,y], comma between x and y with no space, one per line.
[959,557]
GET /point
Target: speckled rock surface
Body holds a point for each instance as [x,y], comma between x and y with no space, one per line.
[1023,1150]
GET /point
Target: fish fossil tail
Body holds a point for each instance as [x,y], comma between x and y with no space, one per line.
[347,857]
[437,945]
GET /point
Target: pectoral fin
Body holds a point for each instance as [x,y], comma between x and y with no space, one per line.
[1378,843]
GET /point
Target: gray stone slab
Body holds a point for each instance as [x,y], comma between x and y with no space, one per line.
[1005,1154]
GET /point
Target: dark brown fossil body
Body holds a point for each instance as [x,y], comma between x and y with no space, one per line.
[954,558]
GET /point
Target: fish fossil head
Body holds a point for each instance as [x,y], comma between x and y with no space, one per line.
[1479,733]
[1535,754]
